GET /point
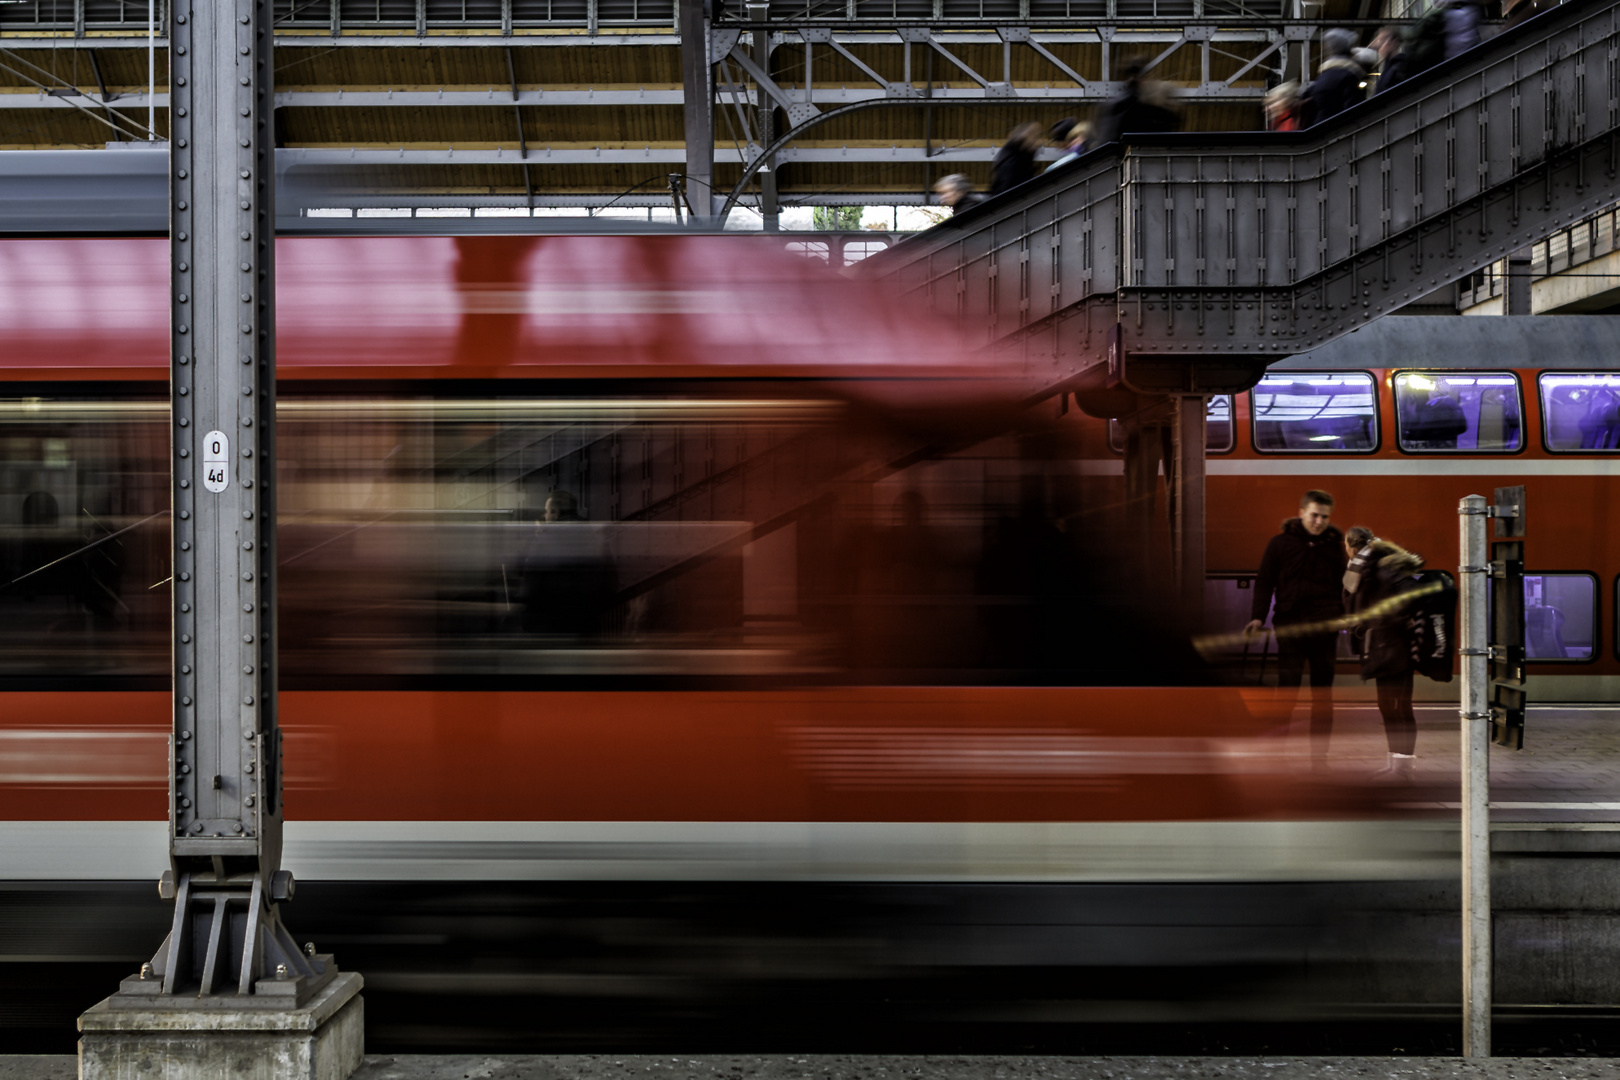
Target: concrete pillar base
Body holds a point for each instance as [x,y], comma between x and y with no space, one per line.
[323,1040]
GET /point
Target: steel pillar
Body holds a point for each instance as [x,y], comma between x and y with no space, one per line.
[697,85]
[1186,484]
[225,811]
[769,208]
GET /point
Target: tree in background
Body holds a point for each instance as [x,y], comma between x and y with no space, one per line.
[835,218]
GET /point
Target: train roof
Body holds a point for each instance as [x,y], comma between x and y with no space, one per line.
[1573,342]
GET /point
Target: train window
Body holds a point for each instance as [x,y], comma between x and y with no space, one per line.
[1476,412]
[1296,412]
[1560,616]
[1217,427]
[84,548]
[1581,411]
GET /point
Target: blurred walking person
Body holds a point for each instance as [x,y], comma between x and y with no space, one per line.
[1303,569]
[1282,107]
[1393,63]
[1014,163]
[956,191]
[1338,82]
[1377,575]
[1075,141]
[1145,106]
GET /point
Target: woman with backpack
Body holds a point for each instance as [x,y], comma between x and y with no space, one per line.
[1377,584]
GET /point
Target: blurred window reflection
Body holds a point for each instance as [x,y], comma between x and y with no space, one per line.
[1439,411]
[1582,411]
[542,531]
[1312,413]
[1217,427]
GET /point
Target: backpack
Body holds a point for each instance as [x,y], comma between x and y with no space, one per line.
[1432,622]
[1426,42]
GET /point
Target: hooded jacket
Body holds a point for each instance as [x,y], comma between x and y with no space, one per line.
[1305,572]
[1373,583]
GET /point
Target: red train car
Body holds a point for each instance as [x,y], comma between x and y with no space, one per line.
[676,550]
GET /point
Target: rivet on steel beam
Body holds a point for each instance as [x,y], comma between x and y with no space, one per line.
[247,545]
[185,483]
[248,608]
[186,734]
[185,669]
[248,576]
[247,421]
[182,237]
[246,205]
[184,452]
[246,329]
[185,545]
[184,514]
[185,701]
[184,608]
[247,483]
[185,576]
[237,827]
[247,236]
[248,733]
[184,359]
[184,391]
[244,82]
[247,699]
[182,173]
[246,267]
[248,638]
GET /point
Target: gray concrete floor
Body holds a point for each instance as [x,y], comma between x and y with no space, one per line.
[885,1067]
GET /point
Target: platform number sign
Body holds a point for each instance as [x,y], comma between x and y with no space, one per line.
[216,461]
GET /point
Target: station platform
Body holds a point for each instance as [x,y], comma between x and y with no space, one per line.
[1568,773]
[882,1067]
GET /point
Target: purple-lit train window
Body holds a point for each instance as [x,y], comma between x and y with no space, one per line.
[1217,427]
[1473,413]
[1560,616]
[1297,412]
[1581,411]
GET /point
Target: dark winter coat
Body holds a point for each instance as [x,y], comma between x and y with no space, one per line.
[1143,109]
[1305,572]
[1012,165]
[1394,71]
[1336,88]
[1376,579]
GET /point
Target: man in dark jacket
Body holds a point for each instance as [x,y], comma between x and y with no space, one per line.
[1144,106]
[1303,567]
[1338,83]
[1014,163]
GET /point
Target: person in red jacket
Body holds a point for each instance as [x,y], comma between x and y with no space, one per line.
[1303,569]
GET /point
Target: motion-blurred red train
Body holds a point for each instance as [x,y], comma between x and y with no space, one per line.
[666,557]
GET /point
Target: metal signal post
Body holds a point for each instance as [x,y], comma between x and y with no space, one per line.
[1492,646]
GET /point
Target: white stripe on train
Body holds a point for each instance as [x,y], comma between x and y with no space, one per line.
[774,851]
[1371,466]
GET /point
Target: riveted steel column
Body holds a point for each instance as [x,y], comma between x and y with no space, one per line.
[1187,519]
[224,773]
[226,788]
[697,91]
